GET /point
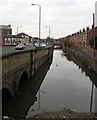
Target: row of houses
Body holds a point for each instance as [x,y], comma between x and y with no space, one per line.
[82,37]
[6,37]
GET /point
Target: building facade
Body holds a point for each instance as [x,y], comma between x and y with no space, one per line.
[4,30]
[11,40]
[83,37]
[25,38]
[6,37]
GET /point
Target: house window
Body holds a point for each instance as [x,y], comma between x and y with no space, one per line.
[5,41]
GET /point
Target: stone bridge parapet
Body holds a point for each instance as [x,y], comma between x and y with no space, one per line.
[22,65]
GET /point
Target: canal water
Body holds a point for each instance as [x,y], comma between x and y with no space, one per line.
[65,86]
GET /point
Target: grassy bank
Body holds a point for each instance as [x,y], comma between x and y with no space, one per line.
[79,54]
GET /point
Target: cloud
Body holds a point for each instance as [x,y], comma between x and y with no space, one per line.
[63,16]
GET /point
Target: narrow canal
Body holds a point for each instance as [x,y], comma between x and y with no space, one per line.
[64,86]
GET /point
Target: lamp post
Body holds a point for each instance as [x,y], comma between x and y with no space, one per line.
[39,19]
[39,36]
[17,28]
[49,30]
[91,102]
[94,32]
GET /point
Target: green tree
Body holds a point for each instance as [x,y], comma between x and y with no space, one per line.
[69,43]
[66,43]
[91,42]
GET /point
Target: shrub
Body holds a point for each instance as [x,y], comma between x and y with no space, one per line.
[91,42]
[69,43]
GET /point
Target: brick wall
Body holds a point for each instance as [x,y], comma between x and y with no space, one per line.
[82,38]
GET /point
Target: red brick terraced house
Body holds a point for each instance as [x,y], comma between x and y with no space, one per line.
[83,37]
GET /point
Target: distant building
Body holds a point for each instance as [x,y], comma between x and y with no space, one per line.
[83,37]
[6,37]
[4,30]
[10,40]
[25,38]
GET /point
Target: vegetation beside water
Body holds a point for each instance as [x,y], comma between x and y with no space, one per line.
[92,42]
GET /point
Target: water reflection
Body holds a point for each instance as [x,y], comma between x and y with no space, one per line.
[18,106]
[88,72]
[93,77]
[66,86]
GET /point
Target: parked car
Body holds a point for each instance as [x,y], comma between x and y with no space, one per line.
[37,44]
[20,47]
[43,45]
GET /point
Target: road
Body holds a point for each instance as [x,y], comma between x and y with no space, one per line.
[6,50]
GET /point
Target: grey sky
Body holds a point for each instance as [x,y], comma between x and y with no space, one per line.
[63,16]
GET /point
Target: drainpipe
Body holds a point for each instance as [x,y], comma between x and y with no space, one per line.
[31,63]
[94,32]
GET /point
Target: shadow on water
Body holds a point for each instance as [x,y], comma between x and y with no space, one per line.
[18,106]
[88,72]
[91,74]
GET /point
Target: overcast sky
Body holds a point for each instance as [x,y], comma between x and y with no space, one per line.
[63,16]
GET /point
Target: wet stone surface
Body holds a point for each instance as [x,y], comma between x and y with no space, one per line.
[66,114]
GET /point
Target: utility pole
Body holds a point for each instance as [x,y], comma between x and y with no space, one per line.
[39,21]
[94,32]
[91,102]
[18,28]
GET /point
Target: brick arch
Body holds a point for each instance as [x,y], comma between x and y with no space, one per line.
[23,82]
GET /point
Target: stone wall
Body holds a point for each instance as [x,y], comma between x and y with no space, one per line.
[11,63]
[14,65]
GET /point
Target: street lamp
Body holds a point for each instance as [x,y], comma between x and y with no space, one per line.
[91,102]
[94,32]
[49,30]
[17,28]
[39,19]
[39,36]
